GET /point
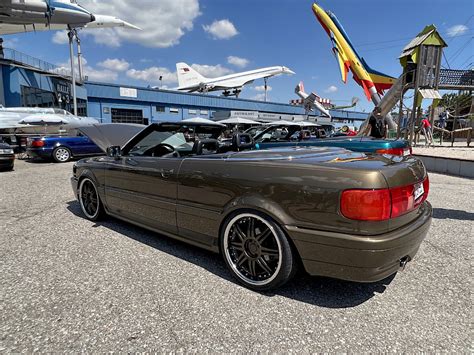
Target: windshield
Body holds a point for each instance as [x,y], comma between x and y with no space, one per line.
[178,141]
[172,138]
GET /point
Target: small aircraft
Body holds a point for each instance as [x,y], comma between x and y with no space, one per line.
[310,101]
[373,82]
[191,81]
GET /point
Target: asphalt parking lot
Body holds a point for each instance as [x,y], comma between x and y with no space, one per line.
[68,284]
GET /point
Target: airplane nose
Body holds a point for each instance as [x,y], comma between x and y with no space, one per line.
[92,18]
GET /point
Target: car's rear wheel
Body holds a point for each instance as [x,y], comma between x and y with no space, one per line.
[257,251]
[61,155]
[89,199]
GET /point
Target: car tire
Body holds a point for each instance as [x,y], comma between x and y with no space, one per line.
[89,199]
[257,251]
[62,155]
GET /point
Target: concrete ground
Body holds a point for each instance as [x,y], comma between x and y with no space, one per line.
[456,152]
[68,284]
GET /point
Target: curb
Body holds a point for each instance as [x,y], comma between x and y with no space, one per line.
[451,166]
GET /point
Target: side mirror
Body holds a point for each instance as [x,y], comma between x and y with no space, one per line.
[114,151]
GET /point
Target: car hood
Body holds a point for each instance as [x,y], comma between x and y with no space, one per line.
[111,134]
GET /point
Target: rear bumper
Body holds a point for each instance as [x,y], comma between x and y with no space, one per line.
[359,258]
[43,153]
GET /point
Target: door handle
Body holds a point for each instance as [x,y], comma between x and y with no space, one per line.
[166,173]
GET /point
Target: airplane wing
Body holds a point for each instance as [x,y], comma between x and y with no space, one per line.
[8,29]
[311,97]
[342,59]
[312,101]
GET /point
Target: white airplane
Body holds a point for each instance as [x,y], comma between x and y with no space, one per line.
[310,101]
[190,80]
[43,13]
[52,15]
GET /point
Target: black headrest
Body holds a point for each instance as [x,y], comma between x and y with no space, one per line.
[241,141]
[208,145]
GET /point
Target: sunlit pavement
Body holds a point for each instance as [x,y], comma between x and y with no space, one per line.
[68,284]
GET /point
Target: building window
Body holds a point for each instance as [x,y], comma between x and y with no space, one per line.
[204,112]
[160,109]
[34,97]
[174,110]
[121,115]
[192,112]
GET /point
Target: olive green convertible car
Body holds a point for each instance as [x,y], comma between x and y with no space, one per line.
[336,213]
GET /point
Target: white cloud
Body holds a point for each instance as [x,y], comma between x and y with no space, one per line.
[211,71]
[222,29]
[457,30]
[100,75]
[60,37]
[259,97]
[331,89]
[93,74]
[262,88]
[114,64]
[152,75]
[163,22]
[10,42]
[237,61]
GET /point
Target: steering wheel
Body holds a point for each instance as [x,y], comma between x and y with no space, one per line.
[162,149]
[159,150]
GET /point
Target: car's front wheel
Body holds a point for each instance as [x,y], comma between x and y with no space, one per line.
[89,199]
[257,251]
[61,155]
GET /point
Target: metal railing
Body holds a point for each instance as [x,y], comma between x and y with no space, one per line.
[27,60]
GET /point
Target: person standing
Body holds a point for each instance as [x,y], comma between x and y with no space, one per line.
[442,120]
[377,126]
[426,126]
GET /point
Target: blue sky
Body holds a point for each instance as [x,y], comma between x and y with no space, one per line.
[263,32]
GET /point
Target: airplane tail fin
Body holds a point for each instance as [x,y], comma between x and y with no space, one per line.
[299,90]
[381,81]
[187,76]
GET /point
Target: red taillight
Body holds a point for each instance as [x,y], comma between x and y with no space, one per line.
[426,187]
[382,204]
[395,151]
[403,200]
[366,205]
[37,144]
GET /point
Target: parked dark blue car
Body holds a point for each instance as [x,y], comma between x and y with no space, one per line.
[61,149]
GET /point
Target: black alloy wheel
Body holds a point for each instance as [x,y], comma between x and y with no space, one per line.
[257,251]
[90,200]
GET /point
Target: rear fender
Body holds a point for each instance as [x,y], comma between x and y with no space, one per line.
[257,203]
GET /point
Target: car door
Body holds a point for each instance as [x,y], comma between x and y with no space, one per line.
[85,146]
[143,189]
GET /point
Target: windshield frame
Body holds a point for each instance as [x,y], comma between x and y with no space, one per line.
[198,128]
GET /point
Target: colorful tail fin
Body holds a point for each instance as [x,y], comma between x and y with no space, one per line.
[381,81]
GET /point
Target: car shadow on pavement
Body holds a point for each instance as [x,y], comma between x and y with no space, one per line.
[443,213]
[37,161]
[319,291]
